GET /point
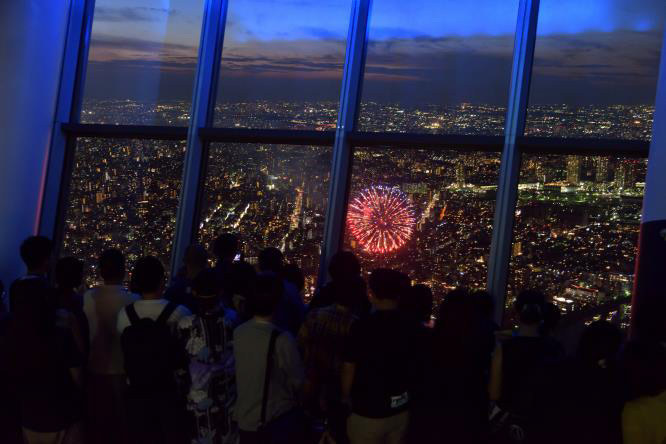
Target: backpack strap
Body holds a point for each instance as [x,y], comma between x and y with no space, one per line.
[166,313]
[131,314]
[267,376]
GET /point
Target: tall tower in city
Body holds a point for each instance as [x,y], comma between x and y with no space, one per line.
[460,171]
[573,170]
[624,176]
[540,173]
[601,175]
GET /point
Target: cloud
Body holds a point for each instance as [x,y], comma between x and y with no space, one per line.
[594,65]
[184,65]
[106,48]
[318,32]
[129,14]
[132,43]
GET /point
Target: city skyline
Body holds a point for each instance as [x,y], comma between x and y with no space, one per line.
[576,222]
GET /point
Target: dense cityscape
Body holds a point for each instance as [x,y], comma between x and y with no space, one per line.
[576,222]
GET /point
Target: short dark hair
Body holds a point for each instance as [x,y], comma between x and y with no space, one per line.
[387,284]
[225,245]
[207,283]
[196,255]
[148,275]
[35,251]
[241,280]
[529,306]
[600,340]
[112,265]
[344,264]
[268,293]
[293,274]
[484,302]
[417,302]
[551,317]
[30,298]
[458,323]
[69,272]
[351,292]
[271,259]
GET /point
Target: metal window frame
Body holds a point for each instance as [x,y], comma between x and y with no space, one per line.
[350,101]
[200,133]
[68,110]
[203,108]
[507,190]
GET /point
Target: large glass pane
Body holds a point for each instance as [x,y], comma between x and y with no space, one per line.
[576,229]
[282,64]
[123,194]
[271,196]
[427,213]
[438,67]
[143,55]
[595,69]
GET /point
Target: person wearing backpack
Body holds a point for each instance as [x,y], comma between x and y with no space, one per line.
[269,372]
[153,356]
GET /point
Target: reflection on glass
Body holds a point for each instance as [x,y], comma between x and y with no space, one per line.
[595,69]
[576,228]
[282,64]
[143,55]
[271,196]
[445,70]
[451,198]
[123,194]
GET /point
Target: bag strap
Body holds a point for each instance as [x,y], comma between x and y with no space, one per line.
[166,313]
[131,314]
[267,376]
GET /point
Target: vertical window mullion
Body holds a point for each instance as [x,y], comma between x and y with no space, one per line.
[507,192]
[56,177]
[350,99]
[203,108]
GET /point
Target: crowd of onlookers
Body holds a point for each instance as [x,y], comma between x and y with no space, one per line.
[231,353]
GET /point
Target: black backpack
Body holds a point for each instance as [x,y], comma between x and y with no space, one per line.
[151,352]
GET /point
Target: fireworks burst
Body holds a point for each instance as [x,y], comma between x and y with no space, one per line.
[381,219]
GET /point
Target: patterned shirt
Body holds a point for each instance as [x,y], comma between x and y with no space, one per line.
[212,390]
[322,339]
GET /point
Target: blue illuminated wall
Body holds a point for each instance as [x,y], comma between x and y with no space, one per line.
[32,36]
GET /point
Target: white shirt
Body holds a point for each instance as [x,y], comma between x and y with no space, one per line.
[151,308]
[251,341]
[101,306]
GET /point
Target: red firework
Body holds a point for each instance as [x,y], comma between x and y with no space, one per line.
[381,219]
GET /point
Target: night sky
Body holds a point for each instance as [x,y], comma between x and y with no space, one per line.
[420,52]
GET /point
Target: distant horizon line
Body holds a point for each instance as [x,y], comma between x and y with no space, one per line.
[184,100]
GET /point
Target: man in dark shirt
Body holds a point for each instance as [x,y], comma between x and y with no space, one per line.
[180,290]
[290,312]
[379,364]
[37,254]
[225,249]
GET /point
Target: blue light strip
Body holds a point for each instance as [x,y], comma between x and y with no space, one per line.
[350,99]
[507,192]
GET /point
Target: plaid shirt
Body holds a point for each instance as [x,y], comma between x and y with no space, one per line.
[322,339]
